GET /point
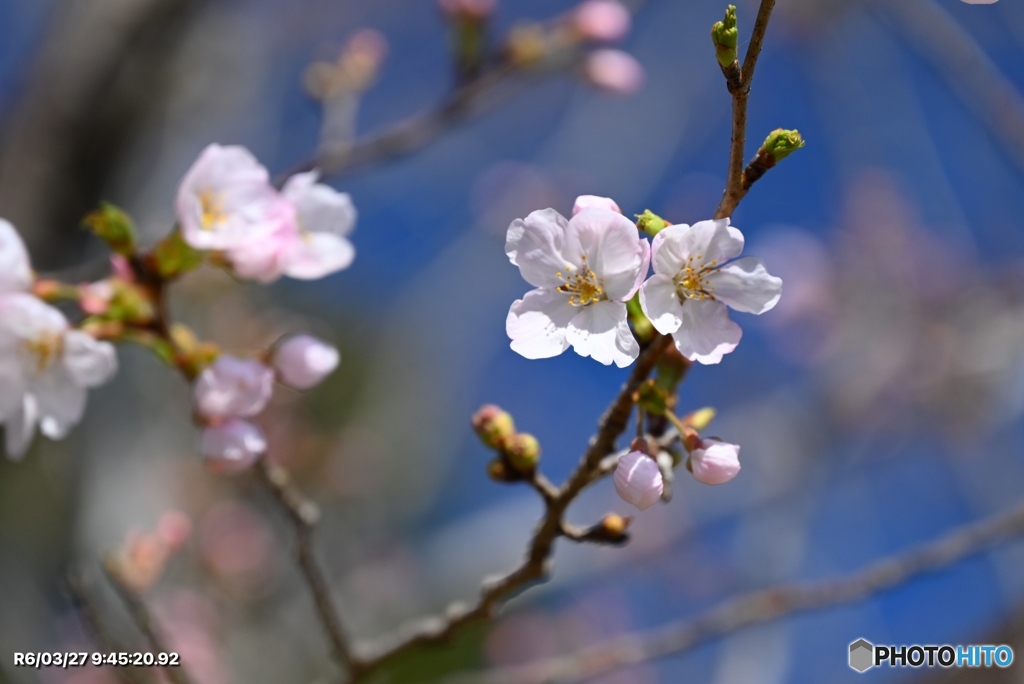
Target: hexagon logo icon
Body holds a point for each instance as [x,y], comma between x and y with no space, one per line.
[862,655]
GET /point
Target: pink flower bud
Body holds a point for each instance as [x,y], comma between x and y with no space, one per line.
[715,462]
[603,20]
[614,71]
[594,202]
[303,361]
[232,447]
[638,480]
[233,387]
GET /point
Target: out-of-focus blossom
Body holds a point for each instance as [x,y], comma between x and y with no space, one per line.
[303,361]
[353,71]
[226,200]
[715,462]
[695,278]
[638,480]
[614,71]
[601,20]
[231,387]
[980,2]
[232,446]
[468,9]
[143,555]
[45,365]
[584,270]
[594,202]
[236,544]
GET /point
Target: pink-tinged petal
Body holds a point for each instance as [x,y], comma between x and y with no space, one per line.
[706,334]
[320,208]
[25,317]
[232,446]
[670,249]
[315,255]
[702,243]
[594,202]
[612,247]
[980,2]
[602,20]
[715,462]
[233,387]
[263,257]
[638,480]
[534,244]
[601,332]
[89,362]
[20,428]
[536,324]
[746,286]
[661,304]
[15,270]
[717,241]
[303,361]
[645,267]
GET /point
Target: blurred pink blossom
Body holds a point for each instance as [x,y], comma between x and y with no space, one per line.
[601,20]
[613,71]
[233,387]
[232,446]
[303,361]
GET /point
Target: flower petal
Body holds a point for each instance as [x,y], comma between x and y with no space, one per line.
[534,244]
[15,270]
[89,362]
[661,304]
[613,248]
[704,241]
[715,462]
[315,255]
[319,207]
[638,480]
[594,202]
[20,428]
[706,334]
[537,323]
[746,286]
[60,402]
[601,332]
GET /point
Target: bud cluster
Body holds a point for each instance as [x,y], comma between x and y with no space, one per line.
[518,453]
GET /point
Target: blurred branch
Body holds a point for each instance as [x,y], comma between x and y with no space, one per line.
[962,62]
[763,606]
[145,623]
[303,515]
[90,614]
[734,186]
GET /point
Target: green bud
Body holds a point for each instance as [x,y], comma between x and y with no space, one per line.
[651,223]
[700,419]
[494,426]
[112,225]
[725,36]
[781,143]
[173,257]
[642,327]
[523,452]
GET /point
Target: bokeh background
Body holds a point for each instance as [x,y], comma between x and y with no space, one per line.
[878,406]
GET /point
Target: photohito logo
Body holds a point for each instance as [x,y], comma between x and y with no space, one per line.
[864,655]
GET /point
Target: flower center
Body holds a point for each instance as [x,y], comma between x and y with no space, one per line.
[692,280]
[582,285]
[213,212]
[45,349]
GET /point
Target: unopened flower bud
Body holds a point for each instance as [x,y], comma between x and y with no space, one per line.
[594,202]
[601,20]
[715,462]
[232,387]
[700,419]
[494,426]
[303,361]
[523,452]
[614,71]
[781,143]
[112,225]
[651,223]
[725,36]
[232,446]
[638,480]
[499,471]
[615,525]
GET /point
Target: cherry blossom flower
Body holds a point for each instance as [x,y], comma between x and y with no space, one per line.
[614,71]
[584,270]
[303,361]
[231,387]
[715,462]
[638,480]
[594,202]
[602,20]
[226,200]
[693,282]
[311,245]
[15,269]
[232,446]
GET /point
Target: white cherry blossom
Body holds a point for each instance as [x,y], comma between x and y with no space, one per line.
[232,387]
[584,270]
[696,275]
[715,462]
[638,480]
[226,200]
[15,269]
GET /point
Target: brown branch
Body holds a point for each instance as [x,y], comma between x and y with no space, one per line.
[734,187]
[146,625]
[303,515]
[762,606]
[534,567]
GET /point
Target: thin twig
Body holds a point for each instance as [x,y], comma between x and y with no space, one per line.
[303,515]
[91,616]
[763,606]
[144,621]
